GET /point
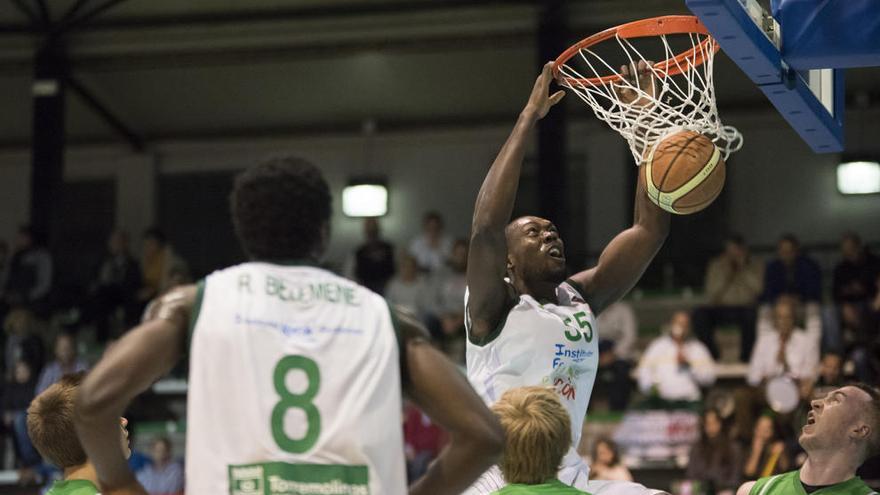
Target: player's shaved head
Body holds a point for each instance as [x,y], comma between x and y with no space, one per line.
[528,241]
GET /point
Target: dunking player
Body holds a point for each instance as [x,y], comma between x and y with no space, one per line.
[526,323]
[295,373]
[842,431]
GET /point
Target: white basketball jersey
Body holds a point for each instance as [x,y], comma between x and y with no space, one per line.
[553,345]
[294,386]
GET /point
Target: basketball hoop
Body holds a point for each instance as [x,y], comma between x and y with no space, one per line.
[684,90]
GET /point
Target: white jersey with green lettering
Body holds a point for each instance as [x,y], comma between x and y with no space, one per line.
[551,344]
[294,386]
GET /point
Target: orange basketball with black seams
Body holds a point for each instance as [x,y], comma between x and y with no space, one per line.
[684,173]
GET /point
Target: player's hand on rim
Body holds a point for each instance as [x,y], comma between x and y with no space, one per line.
[634,92]
[541,100]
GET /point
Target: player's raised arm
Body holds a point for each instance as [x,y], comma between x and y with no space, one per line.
[145,354]
[487,259]
[440,389]
[625,258]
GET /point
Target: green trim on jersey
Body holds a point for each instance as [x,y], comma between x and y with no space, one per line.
[577,288]
[196,309]
[401,346]
[549,487]
[73,487]
[790,484]
[494,333]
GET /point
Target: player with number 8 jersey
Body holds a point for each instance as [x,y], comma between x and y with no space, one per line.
[297,342]
[295,375]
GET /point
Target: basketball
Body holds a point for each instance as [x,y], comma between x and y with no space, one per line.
[684,173]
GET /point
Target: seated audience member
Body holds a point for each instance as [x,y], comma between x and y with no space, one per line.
[118,281]
[842,432]
[785,351]
[408,289]
[618,330]
[674,366]
[160,265]
[432,247]
[374,259]
[423,441]
[605,462]
[767,454]
[734,281]
[792,272]
[165,475]
[29,277]
[538,434]
[17,396]
[22,342]
[448,285]
[66,362]
[715,460]
[855,276]
[50,427]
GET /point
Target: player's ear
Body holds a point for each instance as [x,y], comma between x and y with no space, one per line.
[509,267]
[861,430]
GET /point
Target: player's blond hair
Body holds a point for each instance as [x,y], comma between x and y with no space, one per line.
[538,434]
[50,423]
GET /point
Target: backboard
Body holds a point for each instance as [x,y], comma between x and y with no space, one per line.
[796,54]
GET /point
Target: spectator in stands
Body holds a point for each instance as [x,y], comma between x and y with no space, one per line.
[29,280]
[785,351]
[734,281]
[856,274]
[432,247]
[161,266]
[116,287]
[374,259]
[674,367]
[715,460]
[858,337]
[66,361]
[22,343]
[17,396]
[792,272]
[165,475]
[408,289]
[448,286]
[423,441]
[768,454]
[605,462]
[619,329]
[4,267]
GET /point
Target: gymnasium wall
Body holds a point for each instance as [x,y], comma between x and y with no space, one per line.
[775,183]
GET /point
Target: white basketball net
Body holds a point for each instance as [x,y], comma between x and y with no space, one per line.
[682,101]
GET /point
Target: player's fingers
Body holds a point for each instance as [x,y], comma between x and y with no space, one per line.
[556,97]
[624,70]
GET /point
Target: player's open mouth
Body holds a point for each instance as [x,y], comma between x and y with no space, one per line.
[555,252]
[811,420]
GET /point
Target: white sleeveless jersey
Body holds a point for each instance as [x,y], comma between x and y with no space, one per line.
[553,345]
[294,386]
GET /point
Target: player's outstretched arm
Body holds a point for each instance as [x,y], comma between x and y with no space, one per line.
[145,354]
[487,259]
[444,394]
[626,257]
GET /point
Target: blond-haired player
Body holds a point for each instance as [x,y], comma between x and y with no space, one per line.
[538,436]
[842,431]
[50,427]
